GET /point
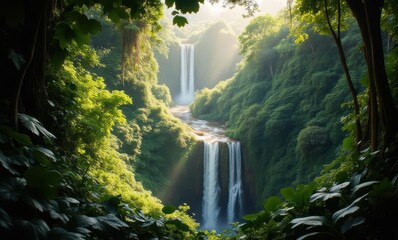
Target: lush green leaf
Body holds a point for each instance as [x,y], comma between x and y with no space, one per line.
[12,188]
[250,217]
[63,234]
[313,235]
[34,126]
[17,59]
[350,223]
[271,204]
[344,212]
[5,220]
[169,3]
[6,163]
[43,154]
[308,221]
[179,21]
[36,228]
[288,193]
[339,187]
[168,209]
[324,196]
[112,204]
[363,185]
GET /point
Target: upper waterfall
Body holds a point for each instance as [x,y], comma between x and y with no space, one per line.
[187,81]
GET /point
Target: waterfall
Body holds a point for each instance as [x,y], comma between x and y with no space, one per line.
[211,187]
[187,87]
[211,204]
[234,181]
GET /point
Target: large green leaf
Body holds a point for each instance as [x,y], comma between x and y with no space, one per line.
[42,155]
[12,188]
[168,209]
[344,212]
[350,223]
[339,187]
[37,204]
[112,204]
[178,224]
[187,6]
[363,185]
[271,204]
[250,217]
[34,229]
[55,211]
[5,220]
[313,235]
[324,196]
[179,21]
[111,221]
[6,163]
[288,193]
[34,125]
[308,221]
[62,234]
[101,223]
[16,58]
[169,3]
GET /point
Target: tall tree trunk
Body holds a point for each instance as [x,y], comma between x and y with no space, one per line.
[337,39]
[367,14]
[28,82]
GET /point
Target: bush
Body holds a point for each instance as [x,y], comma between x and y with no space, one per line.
[311,141]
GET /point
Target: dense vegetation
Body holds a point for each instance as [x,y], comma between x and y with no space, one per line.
[292,126]
[284,104]
[69,146]
[152,140]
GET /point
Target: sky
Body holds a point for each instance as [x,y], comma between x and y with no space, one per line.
[266,6]
[213,13]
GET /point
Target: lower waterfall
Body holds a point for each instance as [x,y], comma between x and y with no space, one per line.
[235,181]
[211,204]
[213,183]
[211,187]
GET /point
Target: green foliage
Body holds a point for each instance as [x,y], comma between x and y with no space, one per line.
[92,163]
[259,28]
[312,140]
[151,141]
[273,103]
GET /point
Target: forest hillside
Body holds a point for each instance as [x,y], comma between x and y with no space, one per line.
[285,103]
[87,141]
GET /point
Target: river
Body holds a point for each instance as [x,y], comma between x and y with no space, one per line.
[206,131]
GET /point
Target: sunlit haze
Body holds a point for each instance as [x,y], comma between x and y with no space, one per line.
[234,16]
[266,6]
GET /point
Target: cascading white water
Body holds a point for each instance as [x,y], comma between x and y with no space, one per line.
[211,187]
[187,88]
[217,208]
[234,181]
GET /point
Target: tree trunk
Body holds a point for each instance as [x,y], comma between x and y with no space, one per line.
[337,39]
[28,83]
[367,14]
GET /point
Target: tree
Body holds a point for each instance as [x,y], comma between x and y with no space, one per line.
[327,19]
[381,106]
